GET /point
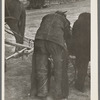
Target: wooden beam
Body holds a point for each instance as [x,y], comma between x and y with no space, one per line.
[17,44]
[16,54]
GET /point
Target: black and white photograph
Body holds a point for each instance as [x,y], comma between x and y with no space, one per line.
[48,53]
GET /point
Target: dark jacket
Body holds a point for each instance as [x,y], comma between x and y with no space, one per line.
[54,27]
[81,36]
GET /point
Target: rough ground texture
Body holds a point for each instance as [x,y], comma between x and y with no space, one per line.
[17,77]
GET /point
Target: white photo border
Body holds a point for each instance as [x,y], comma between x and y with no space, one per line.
[94,51]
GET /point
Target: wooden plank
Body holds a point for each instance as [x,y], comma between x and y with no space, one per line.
[17,44]
[24,51]
[16,54]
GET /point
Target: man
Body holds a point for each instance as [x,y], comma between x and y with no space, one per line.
[81,47]
[51,42]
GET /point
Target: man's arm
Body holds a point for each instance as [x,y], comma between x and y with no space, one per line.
[68,35]
[67,31]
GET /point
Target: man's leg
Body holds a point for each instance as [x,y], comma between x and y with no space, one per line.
[42,74]
[61,78]
[33,77]
[60,70]
[41,66]
[65,85]
[82,72]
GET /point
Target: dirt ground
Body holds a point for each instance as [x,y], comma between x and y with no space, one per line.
[17,77]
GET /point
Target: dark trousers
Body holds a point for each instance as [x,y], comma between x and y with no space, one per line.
[41,69]
[82,66]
